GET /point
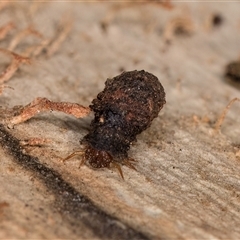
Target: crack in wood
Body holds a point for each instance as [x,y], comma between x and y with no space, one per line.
[71,204]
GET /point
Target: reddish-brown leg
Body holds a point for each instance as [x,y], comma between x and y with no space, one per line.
[76,153]
[127,162]
[118,167]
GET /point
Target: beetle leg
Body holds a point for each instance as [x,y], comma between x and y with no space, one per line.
[131,160]
[127,163]
[76,153]
[118,167]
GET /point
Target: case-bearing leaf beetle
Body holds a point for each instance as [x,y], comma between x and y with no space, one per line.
[125,108]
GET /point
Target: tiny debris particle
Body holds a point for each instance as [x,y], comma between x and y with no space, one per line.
[125,108]
[233,71]
[217,20]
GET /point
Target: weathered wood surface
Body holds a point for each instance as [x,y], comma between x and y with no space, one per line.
[187,183]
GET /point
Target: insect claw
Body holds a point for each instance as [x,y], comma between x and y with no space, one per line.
[82,162]
[76,153]
[120,171]
[128,164]
[131,160]
[118,167]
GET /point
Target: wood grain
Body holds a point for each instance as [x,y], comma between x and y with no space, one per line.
[187,183]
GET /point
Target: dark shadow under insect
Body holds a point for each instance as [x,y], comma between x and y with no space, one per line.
[125,108]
